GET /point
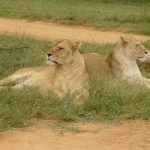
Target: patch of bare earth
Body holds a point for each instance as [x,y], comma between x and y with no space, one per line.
[51,31]
[134,135]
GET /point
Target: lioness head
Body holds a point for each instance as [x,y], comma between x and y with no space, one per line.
[61,52]
[134,49]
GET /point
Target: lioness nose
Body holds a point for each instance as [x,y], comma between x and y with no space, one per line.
[146,52]
[49,54]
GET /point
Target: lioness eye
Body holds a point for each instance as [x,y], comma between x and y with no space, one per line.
[137,45]
[60,48]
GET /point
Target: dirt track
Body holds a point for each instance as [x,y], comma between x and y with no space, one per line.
[51,31]
[129,136]
[133,135]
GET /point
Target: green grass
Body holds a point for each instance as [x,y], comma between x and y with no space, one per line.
[110,99]
[124,15]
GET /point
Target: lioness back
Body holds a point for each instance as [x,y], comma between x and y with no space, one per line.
[96,64]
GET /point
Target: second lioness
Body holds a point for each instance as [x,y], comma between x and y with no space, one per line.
[67,74]
[121,62]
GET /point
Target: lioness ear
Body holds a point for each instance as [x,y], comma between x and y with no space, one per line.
[74,45]
[124,40]
[55,42]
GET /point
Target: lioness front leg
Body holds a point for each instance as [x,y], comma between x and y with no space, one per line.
[16,78]
[146,82]
[81,95]
[59,94]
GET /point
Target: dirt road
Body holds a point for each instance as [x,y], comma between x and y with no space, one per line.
[51,31]
[129,136]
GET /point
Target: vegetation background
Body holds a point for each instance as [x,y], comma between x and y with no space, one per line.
[121,15]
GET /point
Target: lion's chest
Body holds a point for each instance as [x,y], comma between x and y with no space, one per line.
[67,81]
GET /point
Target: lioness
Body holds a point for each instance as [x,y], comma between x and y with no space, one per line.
[121,62]
[67,74]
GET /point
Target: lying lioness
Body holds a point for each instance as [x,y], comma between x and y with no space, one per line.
[121,62]
[67,74]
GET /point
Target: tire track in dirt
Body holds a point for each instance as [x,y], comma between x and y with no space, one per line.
[51,31]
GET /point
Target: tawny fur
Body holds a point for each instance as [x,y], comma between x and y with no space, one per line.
[145,63]
[68,73]
[96,64]
[121,62]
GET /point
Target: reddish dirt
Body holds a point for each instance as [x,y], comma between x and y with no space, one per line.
[133,135]
[51,31]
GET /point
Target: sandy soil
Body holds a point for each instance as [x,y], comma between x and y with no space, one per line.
[51,31]
[133,135]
